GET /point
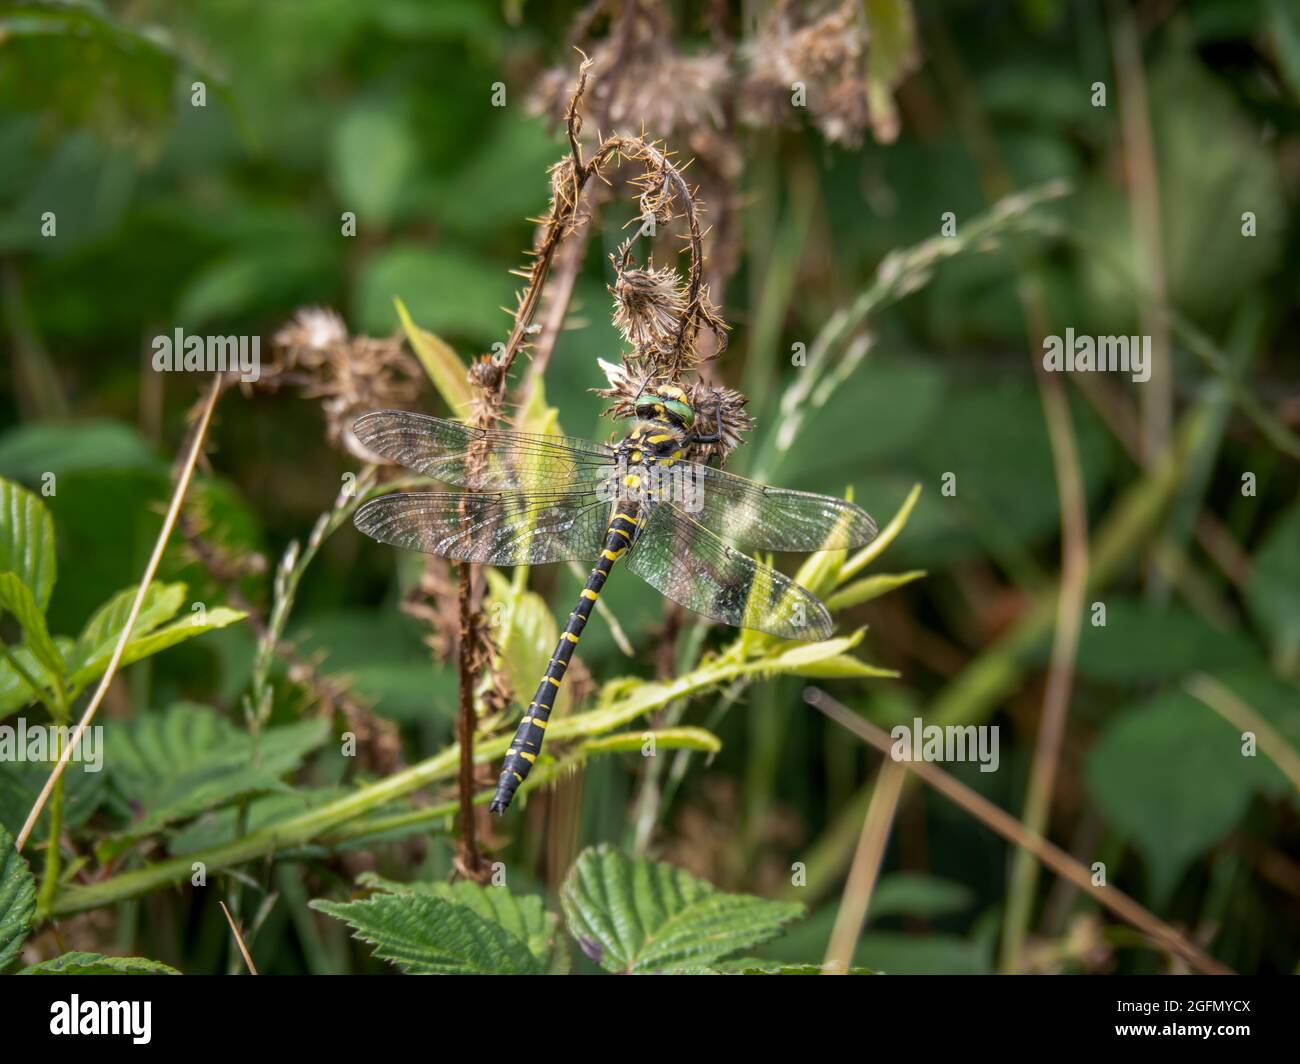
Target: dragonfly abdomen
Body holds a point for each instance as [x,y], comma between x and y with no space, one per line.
[527,743]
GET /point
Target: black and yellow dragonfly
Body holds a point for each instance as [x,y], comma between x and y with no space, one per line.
[532,499]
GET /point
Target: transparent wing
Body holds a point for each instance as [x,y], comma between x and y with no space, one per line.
[765,518]
[483,459]
[492,528]
[689,564]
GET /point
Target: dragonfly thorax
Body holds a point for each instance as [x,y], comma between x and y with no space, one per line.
[652,439]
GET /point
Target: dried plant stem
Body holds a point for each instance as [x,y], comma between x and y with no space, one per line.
[169,522]
[996,181]
[467,720]
[559,295]
[865,871]
[239,939]
[1237,712]
[1014,832]
[1144,182]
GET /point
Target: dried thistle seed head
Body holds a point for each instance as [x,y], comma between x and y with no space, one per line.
[638,78]
[649,305]
[312,330]
[349,375]
[723,408]
[817,47]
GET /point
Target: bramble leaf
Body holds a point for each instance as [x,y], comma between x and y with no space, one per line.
[639,916]
[427,935]
[17,899]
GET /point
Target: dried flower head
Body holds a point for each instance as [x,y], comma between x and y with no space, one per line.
[639,78]
[652,312]
[648,308]
[350,375]
[819,49]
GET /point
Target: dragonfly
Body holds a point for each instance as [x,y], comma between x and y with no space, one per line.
[533,499]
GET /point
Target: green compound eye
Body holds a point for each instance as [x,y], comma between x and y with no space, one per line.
[682,410]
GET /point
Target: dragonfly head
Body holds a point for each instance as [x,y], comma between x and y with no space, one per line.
[668,403]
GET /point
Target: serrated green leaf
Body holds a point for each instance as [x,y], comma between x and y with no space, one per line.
[15,692]
[27,540]
[100,634]
[641,916]
[83,790]
[17,598]
[77,963]
[17,899]
[180,763]
[427,935]
[146,646]
[525,917]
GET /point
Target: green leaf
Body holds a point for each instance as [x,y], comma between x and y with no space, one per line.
[100,634]
[444,367]
[16,597]
[525,918]
[77,963]
[641,916]
[17,899]
[1170,773]
[63,447]
[372,159]
[870,587]
[1273,591]
[760,966]
[143,646]
[524,629]
[27,541]
[1143,643]
[449,290]
[83,788]
[427,935]
[917,894]
[14,690]
[180,763]
[220,826]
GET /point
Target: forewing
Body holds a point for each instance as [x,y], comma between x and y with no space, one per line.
[690,565]
[483,459]
[765,518]
[492,528]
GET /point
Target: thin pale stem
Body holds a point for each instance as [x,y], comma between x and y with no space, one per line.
[169,522]
[1014,832]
